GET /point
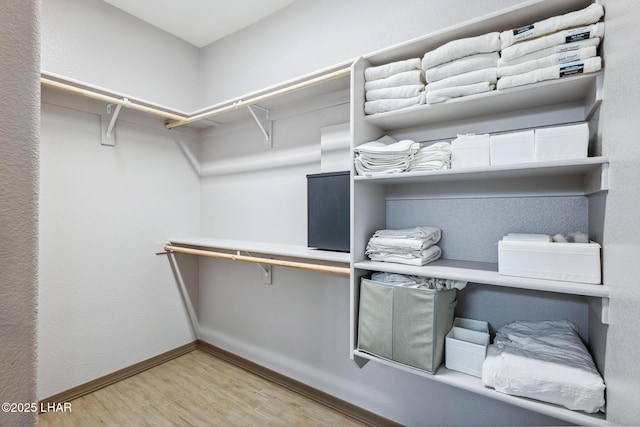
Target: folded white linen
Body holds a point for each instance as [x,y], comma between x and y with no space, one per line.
[546,361]
[559,48]
[363,169]
[417,281]
[413,77]
[429,255]
[396,92]
[462,65]
[586,16]
[433,157]
[561,37]
[419,232]
[386,70]
[384,105]
[589,65]
[460,48]
[445,94]
[387,145]
[389,243]
[485,75]
[547,61]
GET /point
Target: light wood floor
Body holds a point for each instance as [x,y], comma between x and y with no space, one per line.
[196,389]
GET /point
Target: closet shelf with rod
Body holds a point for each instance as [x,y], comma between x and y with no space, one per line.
[290,256]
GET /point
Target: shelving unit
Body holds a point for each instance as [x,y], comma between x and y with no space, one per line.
[556,102]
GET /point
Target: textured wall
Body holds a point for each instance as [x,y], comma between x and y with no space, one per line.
[19,121]
[619,126]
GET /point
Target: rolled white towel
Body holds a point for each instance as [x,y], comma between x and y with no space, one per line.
[586,16]
[397,92]
[565,36]
[550,73]
[413,77]
[547,61]
[565,48]
[460,48]
[386,70]
[385,105]
[478,61]
[486,75]
[441,95]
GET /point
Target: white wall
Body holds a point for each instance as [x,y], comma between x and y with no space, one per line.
[106,300]
[618,124]
[94,42]
[19,99]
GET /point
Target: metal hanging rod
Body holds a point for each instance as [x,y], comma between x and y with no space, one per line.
[261,98]
[260,260]
[180,120]
[44,81]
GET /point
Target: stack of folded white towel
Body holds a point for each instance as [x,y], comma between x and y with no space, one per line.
[385,155]
[555,47]
[413,246]
[432,157]
[462,67]
[394,86]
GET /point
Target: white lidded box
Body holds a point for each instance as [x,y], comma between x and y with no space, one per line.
[562,142]
[512,147]
[466,346]
[470,151]
[568,262]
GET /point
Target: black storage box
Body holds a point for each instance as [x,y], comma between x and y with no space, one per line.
[328,211]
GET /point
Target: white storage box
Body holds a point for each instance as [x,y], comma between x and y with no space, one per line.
[562,142]
[466,346]
[512,147]
[470,151]
[569,262]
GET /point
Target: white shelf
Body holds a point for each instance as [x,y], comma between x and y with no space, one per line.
[593,168]
[292,251]
[484,273]
[474,385]
[575,89]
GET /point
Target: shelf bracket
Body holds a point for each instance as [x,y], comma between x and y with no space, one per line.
[266,270]
[266,128]
[111,115]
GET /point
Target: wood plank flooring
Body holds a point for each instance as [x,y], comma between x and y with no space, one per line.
[196,389]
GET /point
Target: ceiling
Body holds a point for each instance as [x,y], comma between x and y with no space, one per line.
[200,22]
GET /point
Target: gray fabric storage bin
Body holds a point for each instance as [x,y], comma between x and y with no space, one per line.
[406,325]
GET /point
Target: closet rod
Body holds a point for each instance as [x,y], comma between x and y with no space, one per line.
[106,98]
[269,261]
[260,98]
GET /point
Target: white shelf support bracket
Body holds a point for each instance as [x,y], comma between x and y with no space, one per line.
[108,131]
[266,128]
[266,271]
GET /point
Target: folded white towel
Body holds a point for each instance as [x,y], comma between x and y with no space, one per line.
[550,73]
[547,61]
[388,145]
[486,75]
[384,105]
[420,232]
[389,244]
[429,255]
[413,77]
[559,48]
[386,70]
[397,92]
[460,48]
[478,61]
[586,16]
[441,95]
[561,37]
